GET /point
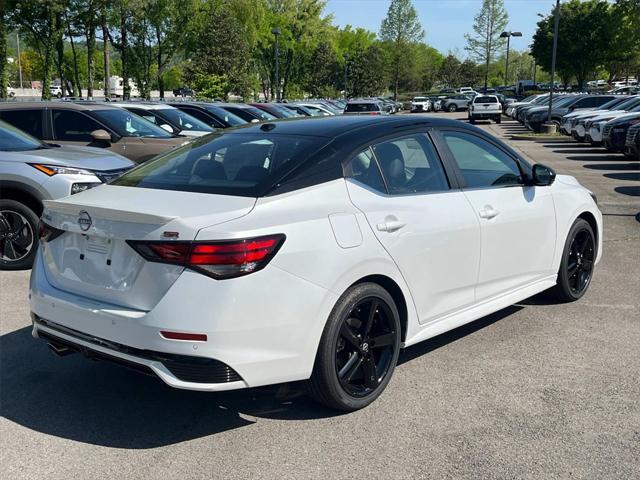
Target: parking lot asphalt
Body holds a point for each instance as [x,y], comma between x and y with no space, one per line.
[537,391]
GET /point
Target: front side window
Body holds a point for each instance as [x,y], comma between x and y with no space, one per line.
[364,169]
[411,165]
[29,121]
[482,164]
[234,164]
[127,124]
[72,126]
[361,107]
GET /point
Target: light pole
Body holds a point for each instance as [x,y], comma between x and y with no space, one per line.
[346,66]
[549,127]
[276,32]
[508,36]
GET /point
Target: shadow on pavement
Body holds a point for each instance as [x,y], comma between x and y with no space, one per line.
[619,166]
[631,191]
[103,404]
[602,157]
[592,151]
[624,176]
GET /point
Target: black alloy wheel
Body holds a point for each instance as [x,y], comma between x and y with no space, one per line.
[18,235]
[358,350]
[578,261]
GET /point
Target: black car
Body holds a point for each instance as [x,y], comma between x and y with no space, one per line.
[210,113]
[614,134]
[183,92]
[535,118]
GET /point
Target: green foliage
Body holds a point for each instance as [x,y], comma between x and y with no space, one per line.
[485,40]
[210,86]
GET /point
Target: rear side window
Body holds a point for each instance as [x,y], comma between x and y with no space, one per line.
[485,100]
[361,107]
[364,169]
[73,126]
[231,164]
[29,121]
[410,165]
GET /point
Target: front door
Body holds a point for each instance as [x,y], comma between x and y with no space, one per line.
[429,230]
[517,222]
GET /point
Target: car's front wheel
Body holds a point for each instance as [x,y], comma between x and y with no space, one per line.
[577,264]
[358,350]
[453,107]
[18,235]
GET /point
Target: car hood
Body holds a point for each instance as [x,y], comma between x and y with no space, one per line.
[610,115]
[625,118]
[71,156]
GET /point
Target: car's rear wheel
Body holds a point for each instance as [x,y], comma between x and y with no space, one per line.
[499,119]
[577,264]
[358,350]
[18,235]
[453,107]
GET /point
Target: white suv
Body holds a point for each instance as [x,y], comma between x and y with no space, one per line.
[485,107]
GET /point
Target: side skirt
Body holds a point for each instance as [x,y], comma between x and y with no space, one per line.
[478,311]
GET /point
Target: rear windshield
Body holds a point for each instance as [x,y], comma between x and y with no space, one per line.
[227,164]
[362,107]
[127,124]
[485,100]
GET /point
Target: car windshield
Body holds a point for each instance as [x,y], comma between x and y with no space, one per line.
[183,120]
[127,124]
[530,98]
[228,117]
[561,102]
[227,164]
[632,102]
[285,112]
[420,99]
[611,103]
[14,140]
[361,107]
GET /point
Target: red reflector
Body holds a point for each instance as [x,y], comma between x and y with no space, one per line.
[171,252]
[194,337]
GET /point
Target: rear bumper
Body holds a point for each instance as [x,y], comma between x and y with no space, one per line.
[485,115]
[252,339]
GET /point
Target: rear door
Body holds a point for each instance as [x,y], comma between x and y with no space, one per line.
[428,228]
[518,225]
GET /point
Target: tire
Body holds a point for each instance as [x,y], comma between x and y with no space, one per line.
[576,260]
[346,351]
[452,108]
[498,119]
[472,120]
[18,235]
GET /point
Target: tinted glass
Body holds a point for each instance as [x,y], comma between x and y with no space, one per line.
[612,103]
[364,168]
[29,121]
[72,126]
[233,164]
[127,124]
[227,116]
[481,163]
[183,120]
[480,99]
[202,116]
[362,107]
[411,165]
[14,140]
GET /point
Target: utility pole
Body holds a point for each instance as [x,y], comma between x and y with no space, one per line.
[346,66]
[19,64]
[550,127]
[276,32]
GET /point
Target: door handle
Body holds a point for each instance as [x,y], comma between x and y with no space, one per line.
[390,226]
[489,212]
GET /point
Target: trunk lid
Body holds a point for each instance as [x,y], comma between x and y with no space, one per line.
[92,258]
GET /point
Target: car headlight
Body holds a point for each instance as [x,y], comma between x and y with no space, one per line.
[52,170]
[81,187]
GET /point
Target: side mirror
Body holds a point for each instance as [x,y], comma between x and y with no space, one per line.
[167,127]
[543,176]
[101,136]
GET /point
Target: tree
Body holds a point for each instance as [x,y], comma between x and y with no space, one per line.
[585,36]
[39,21]
[623,54]
[366,72]
[400,28]
[450,71]
[3,49]
[323,70]
[488,24]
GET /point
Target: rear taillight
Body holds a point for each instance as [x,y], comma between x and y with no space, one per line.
[46,232]
[217,259]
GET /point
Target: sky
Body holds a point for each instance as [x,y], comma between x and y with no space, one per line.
[444,21]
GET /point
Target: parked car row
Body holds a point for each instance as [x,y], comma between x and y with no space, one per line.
[455,102]
[602,120]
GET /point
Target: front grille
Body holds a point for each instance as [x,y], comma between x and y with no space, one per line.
[107,175]
[185,367]
[632,133]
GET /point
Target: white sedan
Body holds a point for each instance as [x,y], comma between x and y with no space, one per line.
[312,249]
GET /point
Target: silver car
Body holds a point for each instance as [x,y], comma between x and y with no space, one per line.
[32,171]
[455,103]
